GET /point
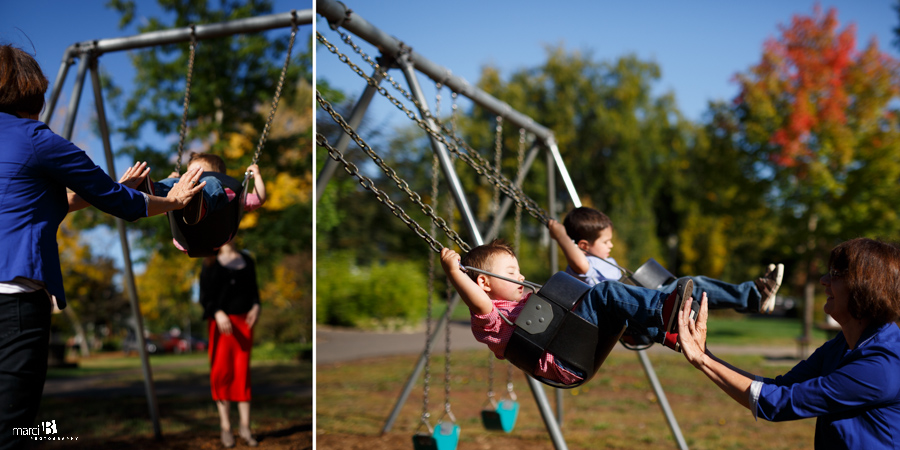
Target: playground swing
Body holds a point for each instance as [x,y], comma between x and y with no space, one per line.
[219,226]
[445,436]
[547,323]
[551,312]
[501,415]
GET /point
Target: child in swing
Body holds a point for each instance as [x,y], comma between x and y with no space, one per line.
[215,195]
[585,237]
[607,305]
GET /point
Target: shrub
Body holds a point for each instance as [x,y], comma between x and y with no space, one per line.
[388,295]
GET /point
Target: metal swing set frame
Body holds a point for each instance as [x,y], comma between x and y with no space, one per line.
[409,62]
[88,54]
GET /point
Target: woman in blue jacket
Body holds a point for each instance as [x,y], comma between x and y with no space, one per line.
[36,168]
[850,384]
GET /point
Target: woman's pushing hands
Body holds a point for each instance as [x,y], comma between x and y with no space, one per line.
[692,333]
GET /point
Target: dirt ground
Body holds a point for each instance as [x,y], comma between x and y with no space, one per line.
[295,438]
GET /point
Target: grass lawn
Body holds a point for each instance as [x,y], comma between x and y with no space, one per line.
[103,402]
[615,410]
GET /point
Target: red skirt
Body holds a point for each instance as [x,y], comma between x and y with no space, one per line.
[229,359]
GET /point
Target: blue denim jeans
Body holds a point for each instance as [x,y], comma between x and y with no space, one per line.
[610,304]
[744,297]
[641,311]
[24,339]
[213,193]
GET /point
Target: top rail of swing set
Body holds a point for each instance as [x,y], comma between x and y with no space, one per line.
[98,47]
[341,16]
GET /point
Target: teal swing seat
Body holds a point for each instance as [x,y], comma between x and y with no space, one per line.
[445,436]
[502,417]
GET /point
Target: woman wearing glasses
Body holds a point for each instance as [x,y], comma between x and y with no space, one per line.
[850,383]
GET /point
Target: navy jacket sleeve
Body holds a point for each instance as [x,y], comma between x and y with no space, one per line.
[64,161]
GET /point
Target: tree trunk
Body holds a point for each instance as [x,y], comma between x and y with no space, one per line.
[809,289]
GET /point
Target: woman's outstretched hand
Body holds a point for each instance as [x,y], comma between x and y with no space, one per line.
[187,187]
[135,175]
[692,334]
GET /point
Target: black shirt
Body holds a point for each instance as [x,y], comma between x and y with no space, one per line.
[229,290]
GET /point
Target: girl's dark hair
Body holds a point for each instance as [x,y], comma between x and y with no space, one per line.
[871,270]
[22,83]
[480,257]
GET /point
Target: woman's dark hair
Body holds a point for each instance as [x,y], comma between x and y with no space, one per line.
[22,83]
[480,257]
[871,270]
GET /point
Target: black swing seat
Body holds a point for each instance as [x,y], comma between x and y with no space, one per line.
[215,229]
[547,323]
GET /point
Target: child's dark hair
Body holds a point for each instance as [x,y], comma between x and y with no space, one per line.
[216,163]
[22,83]
[480,257]
[585,224]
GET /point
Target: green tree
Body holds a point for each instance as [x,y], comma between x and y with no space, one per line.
[815,115]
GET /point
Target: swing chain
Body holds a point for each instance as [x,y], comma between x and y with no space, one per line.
[284,68]
[482,168]
[449,296]
[498,159]
[429,309]
[381,195]
[187,98]
[470,157]
[520,159]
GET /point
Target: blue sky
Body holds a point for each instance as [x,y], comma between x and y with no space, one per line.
[698,45]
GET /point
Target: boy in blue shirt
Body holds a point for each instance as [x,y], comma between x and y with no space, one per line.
[585,237]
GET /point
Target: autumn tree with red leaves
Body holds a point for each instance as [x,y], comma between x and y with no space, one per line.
[816,113]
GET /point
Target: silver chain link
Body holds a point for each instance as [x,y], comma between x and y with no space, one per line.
[498,160]
[470,157]
[368,184]
[187,99]
[284,68]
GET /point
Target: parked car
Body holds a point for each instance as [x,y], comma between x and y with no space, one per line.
[151,342]
[178,344]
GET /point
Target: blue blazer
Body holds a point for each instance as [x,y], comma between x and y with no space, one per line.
[36,167]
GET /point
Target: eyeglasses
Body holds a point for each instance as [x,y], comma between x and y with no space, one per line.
[835,273]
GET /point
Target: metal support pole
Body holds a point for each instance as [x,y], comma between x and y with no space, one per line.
[567,180]
[443,155]
[67,61]
[663,401]
[356,116]
[76,98]
[126,253]
[544,407]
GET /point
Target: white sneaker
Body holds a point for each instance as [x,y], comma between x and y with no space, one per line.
[768,286]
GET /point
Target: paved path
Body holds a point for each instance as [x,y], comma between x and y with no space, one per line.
[335,345]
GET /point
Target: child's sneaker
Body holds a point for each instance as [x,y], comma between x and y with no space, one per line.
[674,303]
[768,286]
